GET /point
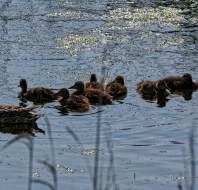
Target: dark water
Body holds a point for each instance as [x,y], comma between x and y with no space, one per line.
[54,43]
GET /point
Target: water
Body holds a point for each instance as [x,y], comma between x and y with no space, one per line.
[54,43]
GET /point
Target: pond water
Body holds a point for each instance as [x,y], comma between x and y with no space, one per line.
[53,43]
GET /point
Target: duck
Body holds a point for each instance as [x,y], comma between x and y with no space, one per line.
[180,83]
[73,103]
[95,96]
[38,95]
[93,83]
[11,114]
[146,88]
[151,90]
[117,88]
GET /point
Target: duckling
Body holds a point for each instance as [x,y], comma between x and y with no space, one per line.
[93,83]
[179,83]
[37,95]
[11,114]
[95,96]
[117,88]
[151,90]
[74,103]
[146,88]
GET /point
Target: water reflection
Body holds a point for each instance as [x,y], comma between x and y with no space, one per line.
[161,102]
[186,94]
[30,128]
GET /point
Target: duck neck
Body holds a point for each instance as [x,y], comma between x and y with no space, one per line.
[62,100]
[93,78]
[80,91]
[24,89]
[63,94]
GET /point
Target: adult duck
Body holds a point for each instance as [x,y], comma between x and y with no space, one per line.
[74,103]
[117,88]
[11,114]
[180,83]
[93,83]
[95,96]
[37,95]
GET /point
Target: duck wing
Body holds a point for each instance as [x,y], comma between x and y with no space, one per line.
[40,95]
[117,91]
[94,85]
[77,103]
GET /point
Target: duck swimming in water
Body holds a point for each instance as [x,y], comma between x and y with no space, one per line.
[74,103]
[93,83]
[180,83]
[37,95]
[95,96]
[117,88]
[153,90]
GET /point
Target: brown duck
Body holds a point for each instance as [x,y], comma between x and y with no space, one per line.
[37,95]
[11,114]
[74,103]
[95,96]
[93,83]
[180,83]
[117,88]
[151,90]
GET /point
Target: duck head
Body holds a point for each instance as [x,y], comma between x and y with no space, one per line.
[63,93]
[119,79]
[79,86]
[93,78]
[188,78]
[23,85]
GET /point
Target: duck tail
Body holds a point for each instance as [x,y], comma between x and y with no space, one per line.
[139,85]
[195,85]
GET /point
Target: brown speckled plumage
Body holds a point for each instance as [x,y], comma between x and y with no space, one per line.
[95,96]
[74,103]
[117,88]
[152,89]
[37,95]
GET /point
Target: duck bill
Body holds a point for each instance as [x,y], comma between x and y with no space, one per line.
[72,87]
